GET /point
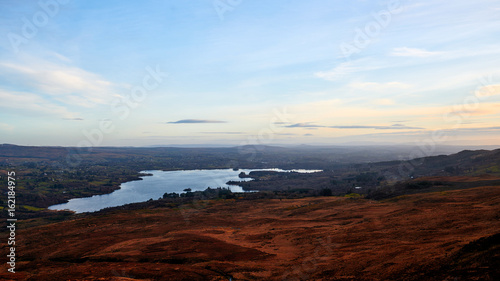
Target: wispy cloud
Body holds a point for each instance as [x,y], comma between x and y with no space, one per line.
[340,71]
[222,133]
[374,86]
[65,83]
[413,52]
[6,127]
[392,127]
[487,91]
[31,104]
[482,129]
[482,109]
[304,125]
[346,69]
[384,102]
[327,112]
[195,121]
[74,119]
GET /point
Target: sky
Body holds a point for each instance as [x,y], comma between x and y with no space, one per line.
[237,72]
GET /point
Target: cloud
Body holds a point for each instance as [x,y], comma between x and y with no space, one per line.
[308,135]
[59,57]
[336,73]
[6,127]
[328,112]
[74,119]
[373,86]
[222,133]
[64,83]
[303,125]
[411,136]
[347,68]
[465,110]
[413,52]
[384,102]
[195,121]
[392,127]
[482,129]
[28,103]
[488,91]
[339,71]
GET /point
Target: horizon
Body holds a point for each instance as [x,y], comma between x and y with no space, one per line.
[430,152]
[129,74]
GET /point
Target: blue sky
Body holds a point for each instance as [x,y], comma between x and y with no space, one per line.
[243,72]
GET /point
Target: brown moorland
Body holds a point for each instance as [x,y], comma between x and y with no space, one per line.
[448,235]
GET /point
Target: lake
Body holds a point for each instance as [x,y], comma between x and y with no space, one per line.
[153,187]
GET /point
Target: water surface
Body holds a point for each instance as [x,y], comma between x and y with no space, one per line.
[161,182]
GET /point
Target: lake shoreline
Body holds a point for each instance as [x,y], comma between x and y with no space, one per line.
[153,184]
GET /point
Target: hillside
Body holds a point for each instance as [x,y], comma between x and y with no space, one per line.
[466,162]
[450,235]
[436,219]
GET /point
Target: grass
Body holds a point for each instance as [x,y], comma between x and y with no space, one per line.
[31,208]
[353,195]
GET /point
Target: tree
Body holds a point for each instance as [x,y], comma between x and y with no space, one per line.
[170,195]
[325,192]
